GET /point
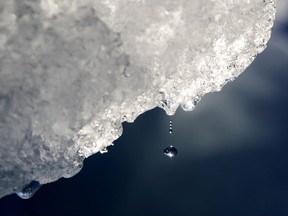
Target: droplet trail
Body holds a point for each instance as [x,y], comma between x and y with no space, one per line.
[29,190]
[170,151]
[170,127]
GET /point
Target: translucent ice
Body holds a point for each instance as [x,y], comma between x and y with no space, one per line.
[29,190]
[71,71]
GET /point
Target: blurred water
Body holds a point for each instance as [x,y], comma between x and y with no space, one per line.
[232,155]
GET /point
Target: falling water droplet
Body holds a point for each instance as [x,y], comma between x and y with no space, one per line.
[170,151]
[170,127]
[29,190]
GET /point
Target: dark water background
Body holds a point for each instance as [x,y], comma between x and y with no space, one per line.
[233,156]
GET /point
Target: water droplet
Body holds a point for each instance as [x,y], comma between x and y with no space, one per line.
[29,190]
[188,105]
[170,151]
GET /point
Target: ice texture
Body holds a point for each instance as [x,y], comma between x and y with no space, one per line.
[72,71]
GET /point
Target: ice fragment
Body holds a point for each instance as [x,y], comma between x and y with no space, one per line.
[72,71]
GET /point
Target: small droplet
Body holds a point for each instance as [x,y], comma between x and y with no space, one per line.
[170,151]
[188,106]
[29,190]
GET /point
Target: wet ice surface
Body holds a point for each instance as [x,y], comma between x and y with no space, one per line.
[72,71]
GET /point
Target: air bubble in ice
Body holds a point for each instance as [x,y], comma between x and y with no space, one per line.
[165,102]
[29,190]
[127,71]
[170,151]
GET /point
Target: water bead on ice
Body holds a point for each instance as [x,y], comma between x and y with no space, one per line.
[170,151]
[189,105]
[29,190]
